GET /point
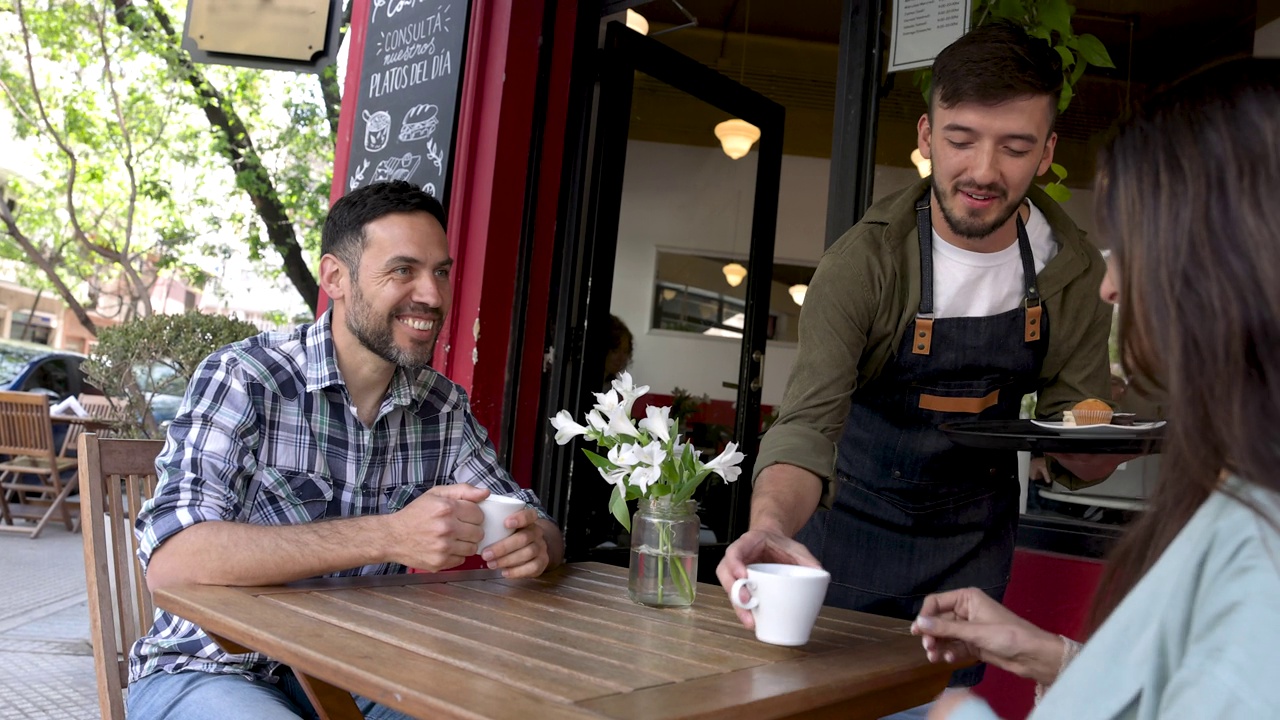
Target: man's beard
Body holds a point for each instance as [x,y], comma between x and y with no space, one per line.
[968,227]
[379,338]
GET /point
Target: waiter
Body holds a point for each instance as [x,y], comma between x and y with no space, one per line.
[949,300]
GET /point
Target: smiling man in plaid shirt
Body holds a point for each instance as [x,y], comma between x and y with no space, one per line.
[330,450]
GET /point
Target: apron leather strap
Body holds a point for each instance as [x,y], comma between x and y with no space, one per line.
[924,228]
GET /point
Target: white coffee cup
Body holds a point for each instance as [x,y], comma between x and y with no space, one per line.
[784,600]
[496,509]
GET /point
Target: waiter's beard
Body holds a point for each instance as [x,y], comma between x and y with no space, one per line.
[967,226]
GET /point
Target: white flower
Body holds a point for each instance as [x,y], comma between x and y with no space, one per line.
[677,448]
[566,428]
[726,463]
[607,402]
[658,422]
[617,476]
[624,455]
[652,454]
[642,477]
[620,424]
[597,421]
[629,392]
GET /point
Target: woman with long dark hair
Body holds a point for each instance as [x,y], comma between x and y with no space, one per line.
[1187,618]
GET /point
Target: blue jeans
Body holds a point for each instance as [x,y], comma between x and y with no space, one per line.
[919,712]
[195,695]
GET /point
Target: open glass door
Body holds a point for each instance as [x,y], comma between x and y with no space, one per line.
[649,230]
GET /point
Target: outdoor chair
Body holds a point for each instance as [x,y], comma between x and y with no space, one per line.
[99,407]
[31,484]
[116,477]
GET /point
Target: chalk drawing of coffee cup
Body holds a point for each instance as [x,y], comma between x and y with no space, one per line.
[377,130]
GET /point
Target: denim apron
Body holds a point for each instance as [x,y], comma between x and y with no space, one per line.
[913,513]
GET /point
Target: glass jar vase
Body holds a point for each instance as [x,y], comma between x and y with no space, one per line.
[664,553]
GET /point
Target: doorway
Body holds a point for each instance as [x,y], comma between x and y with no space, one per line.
[630,209]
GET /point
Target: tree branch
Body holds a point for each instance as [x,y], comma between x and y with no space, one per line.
[139,288]
[44,120]
[251,174]
[38,258]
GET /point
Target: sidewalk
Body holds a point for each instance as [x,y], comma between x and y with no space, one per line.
[44,629]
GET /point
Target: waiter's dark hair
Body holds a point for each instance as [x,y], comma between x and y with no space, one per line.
[1185,194]
[343,234]
[993,64]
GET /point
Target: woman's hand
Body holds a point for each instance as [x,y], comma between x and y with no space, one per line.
[967,625]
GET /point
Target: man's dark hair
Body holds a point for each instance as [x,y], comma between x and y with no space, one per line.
[343,234]
[993,64]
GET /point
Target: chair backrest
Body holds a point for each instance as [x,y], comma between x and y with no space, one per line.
[25,427]
[99,407]
[102,407]
[116,477]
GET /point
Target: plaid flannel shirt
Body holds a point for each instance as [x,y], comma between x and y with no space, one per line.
[267,435]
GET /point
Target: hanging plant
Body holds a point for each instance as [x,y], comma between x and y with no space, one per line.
[1050,21]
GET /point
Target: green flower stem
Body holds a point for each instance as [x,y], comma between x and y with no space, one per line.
[667,556]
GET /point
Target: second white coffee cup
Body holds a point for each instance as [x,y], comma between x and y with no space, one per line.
[784,600]
[496,509]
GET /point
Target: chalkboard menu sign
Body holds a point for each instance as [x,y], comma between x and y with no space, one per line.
[406,112]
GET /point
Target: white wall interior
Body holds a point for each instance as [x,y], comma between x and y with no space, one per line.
[697,200]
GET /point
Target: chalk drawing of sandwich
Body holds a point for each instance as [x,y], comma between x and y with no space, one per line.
[419,122]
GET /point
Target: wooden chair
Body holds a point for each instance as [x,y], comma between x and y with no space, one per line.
[27,449]
[116,477]
[99,407]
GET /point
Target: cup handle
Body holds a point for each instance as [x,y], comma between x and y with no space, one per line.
[737,588]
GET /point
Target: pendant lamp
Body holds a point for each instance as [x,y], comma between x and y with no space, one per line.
[734,274]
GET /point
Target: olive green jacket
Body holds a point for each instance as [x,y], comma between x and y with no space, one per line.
[866,292]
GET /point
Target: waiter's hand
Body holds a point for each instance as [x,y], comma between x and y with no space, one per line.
[759,546]
[1039,472]
[1091,468]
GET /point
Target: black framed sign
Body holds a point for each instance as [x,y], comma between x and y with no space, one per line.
[410,78]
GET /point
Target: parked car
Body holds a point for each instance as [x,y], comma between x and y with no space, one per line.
[32,367]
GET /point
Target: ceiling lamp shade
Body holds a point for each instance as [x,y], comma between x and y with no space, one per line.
[924,166]
[737,137]
[734,274]
[636,22]
[797,293]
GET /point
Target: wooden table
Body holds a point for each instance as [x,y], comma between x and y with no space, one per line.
[567,645]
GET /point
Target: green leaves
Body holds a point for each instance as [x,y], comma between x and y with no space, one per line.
[618,506]
[1055,16]
[177,343]
[1012,9]
[1056,190]
[118,134]
[1093,51]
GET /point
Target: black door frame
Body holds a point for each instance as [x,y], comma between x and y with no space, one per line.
[591,210]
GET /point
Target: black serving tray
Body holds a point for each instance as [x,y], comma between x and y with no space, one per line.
[1024,435]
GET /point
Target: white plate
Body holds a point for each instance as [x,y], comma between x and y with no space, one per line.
[1097,429]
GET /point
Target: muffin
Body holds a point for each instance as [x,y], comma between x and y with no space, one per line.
[1091,412]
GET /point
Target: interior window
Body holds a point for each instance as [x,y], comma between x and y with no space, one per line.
[692,293]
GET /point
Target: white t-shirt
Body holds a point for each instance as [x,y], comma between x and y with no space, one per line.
[974,284]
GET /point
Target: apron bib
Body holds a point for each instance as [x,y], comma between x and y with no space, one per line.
[914,513]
